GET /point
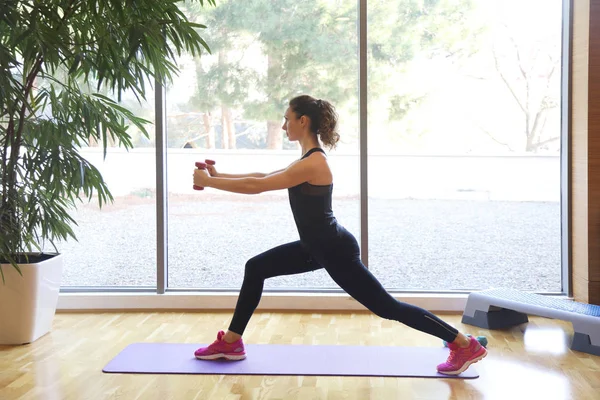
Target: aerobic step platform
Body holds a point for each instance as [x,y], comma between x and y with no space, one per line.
[503,308]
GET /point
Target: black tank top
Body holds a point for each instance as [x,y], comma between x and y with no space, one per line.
[312,210]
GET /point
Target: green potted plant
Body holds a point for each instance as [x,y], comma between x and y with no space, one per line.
[56,58]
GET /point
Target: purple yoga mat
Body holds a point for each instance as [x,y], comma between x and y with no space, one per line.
[274,359]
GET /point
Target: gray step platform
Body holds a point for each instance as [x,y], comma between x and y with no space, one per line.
[503,308]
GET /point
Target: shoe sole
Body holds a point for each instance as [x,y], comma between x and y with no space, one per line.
[217,356]
[466,365]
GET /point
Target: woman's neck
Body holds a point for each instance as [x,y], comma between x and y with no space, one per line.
[308,144]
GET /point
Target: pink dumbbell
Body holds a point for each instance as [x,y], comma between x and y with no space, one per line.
[202,165]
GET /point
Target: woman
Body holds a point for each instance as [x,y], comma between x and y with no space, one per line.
[323,243]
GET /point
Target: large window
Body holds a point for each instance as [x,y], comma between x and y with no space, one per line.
[463,147]
[464,144]
[229,107]
[116,245]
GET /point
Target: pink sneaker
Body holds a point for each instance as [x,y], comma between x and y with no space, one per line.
[461,358]
[221,349]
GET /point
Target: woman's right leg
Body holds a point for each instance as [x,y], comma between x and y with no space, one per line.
[288,259]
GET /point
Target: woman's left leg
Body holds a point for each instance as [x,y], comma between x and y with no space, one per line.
[362,285]
[348,271]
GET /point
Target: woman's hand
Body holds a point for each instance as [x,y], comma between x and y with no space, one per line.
[201,177]
[212,170]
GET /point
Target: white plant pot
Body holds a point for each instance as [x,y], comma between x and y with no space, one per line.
[28,302]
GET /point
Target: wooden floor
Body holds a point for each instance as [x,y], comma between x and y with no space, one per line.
[529,362]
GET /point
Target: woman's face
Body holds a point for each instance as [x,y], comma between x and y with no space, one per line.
[292,125]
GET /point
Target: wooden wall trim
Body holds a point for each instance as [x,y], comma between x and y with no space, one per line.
[585,150]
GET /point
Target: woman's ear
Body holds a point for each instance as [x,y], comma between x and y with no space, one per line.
[303,120]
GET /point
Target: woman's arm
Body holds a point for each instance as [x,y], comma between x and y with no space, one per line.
[297,173]
[236,176]
[249,175]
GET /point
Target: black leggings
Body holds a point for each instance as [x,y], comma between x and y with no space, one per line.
[347,271]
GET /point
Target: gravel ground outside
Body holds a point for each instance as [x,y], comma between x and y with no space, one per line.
[413,244]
